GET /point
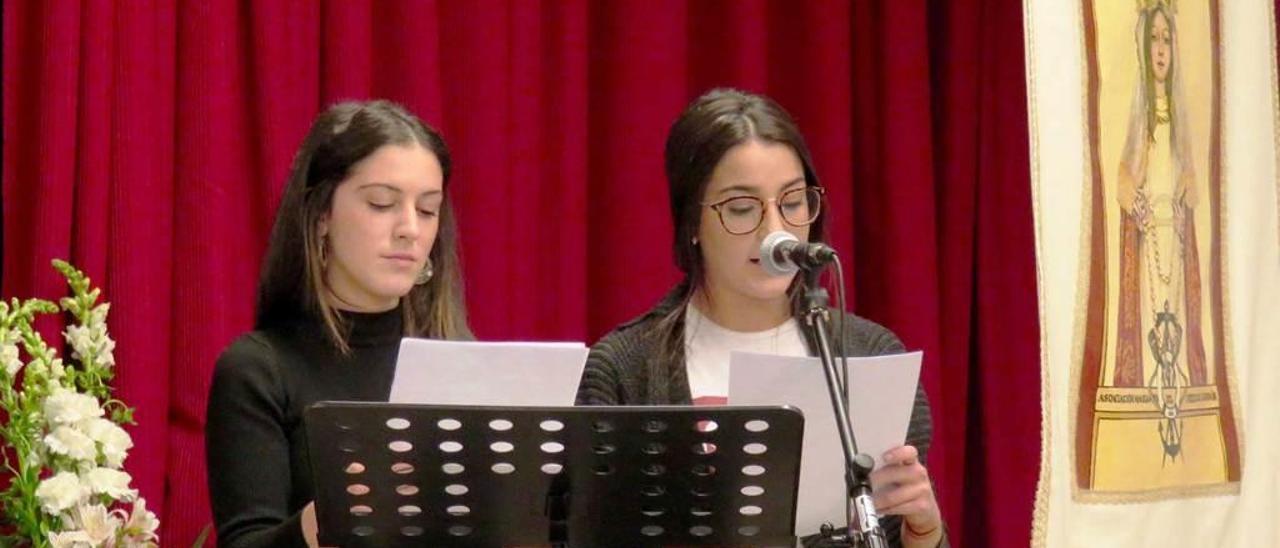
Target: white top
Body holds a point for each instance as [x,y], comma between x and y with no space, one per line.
[707,346]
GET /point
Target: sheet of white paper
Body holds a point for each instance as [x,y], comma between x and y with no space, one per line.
[882,393]
[487,373]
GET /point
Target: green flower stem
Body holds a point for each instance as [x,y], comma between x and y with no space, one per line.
[25,427]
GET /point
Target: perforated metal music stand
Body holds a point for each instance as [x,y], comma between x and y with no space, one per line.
[419,475]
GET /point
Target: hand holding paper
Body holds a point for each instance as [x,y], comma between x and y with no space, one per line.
[882,393]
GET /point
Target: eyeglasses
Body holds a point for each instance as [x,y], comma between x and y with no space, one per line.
[743,214]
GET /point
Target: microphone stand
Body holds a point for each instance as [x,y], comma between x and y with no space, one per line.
[865,531]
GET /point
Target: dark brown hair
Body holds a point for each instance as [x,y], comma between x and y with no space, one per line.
[711,125]
[293,283]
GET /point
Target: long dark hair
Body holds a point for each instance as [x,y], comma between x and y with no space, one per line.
[711,125]
[293,283]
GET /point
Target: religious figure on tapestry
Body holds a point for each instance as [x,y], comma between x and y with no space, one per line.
[1156,414]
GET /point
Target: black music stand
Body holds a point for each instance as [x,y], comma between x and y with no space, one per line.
[422,475]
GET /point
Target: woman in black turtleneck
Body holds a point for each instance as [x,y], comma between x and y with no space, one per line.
[362,254]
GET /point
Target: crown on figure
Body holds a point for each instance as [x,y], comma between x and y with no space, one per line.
[1147,5]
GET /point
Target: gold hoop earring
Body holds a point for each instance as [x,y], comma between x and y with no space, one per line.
[425,274]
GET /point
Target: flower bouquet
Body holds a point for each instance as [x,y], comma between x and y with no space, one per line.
[63,444]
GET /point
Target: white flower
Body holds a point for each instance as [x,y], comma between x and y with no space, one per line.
[56,370]
[61,491]
[106,356]
[97,523]
[71,539]
[67,407]
[69,441]
[141,528]
[9,359]
[115,441]
[109,482]
[81,339]
[91,338]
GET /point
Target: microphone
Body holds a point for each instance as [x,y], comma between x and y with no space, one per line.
[781,253]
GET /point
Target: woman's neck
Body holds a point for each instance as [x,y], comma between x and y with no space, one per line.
[736,313]
[350,305]
[1162,105]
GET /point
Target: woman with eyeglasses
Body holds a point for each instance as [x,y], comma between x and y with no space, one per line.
[737,170]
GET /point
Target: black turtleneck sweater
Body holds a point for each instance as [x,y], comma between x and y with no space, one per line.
[256,447]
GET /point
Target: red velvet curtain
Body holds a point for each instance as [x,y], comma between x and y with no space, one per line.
[148,142]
